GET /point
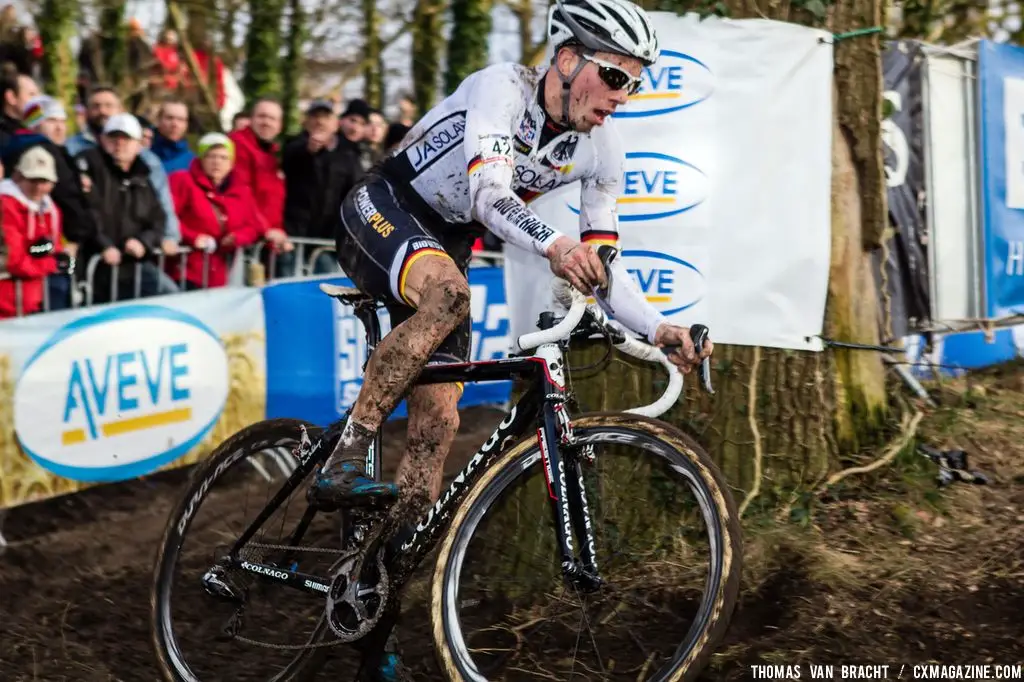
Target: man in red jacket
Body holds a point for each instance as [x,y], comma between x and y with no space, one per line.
[257,168]
[31,225]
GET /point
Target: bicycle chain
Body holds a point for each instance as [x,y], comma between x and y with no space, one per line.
[293,548]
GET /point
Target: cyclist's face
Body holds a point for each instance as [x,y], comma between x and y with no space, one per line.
[601,87]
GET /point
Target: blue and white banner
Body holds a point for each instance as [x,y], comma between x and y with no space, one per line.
[119,391]
[957,353]
[316,347]
[1001,102]
[725,205]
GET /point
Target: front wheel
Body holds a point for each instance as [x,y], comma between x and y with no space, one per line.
[668,546]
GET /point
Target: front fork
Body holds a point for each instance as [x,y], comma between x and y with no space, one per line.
[562,459]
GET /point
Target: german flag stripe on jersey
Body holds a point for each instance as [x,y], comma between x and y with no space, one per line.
[598,238]
[527,195]
[474,164]
[407,265]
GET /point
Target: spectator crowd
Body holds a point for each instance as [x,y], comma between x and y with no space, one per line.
[137,210]
[135,206]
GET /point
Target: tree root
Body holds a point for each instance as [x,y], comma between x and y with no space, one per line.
[908,431]
[752,417]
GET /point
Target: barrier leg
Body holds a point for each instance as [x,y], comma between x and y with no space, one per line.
[3,540]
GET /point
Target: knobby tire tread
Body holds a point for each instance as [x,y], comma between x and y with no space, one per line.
[724,601]
[305,665]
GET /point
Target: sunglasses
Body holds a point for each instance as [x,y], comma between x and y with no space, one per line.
[615,77]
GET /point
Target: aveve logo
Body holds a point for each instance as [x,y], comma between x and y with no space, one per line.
[677,81]
[657,186]
[119,394]
[670,284]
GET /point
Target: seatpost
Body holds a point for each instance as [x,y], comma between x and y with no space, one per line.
[367,314]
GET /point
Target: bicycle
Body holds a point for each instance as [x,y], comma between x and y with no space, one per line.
[350,600]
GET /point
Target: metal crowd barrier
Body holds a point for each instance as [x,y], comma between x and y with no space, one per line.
[305,266]
[89,285]
[307,251]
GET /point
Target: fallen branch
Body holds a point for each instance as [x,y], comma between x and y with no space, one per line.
[909,430]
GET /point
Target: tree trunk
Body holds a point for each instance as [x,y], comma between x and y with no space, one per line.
[56,24]
[468,44]
[523,10]
[263,50]
[113,42]
[373,91]
[781,420]
[293,65]
[426,48]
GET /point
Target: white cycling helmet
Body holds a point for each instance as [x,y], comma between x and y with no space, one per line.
[616,26]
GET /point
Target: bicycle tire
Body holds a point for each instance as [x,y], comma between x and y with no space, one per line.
[253,438]
[687,663]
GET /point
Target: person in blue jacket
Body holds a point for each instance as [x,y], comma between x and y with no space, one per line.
[169,141]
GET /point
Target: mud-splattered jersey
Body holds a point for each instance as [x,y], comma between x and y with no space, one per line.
[477,157]
[482,155]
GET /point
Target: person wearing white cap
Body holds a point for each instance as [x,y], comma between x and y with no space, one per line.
[31,224]
[103,103]
[129,215]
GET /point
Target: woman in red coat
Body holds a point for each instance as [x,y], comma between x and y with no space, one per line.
[31,225]
[218,215]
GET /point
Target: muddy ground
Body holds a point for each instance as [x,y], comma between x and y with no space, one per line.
[888,570]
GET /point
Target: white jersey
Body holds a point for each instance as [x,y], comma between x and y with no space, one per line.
[477,157]
[489,148]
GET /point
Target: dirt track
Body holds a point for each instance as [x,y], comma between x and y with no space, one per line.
[74,585]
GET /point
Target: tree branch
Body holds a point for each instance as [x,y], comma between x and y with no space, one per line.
[174,12]
[347,69]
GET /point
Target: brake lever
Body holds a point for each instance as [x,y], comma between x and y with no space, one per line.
[607,254]
[699,335]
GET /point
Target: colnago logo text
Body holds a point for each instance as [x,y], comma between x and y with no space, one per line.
[676,82]
[657,186]
[670,284]
[121,393]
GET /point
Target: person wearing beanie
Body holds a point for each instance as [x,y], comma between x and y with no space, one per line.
[218,214]
[396,131]
[355,129]
[45,126]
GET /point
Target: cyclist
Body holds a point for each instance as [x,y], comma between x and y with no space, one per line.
[506,135]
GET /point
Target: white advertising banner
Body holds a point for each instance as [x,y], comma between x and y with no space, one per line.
[117,391]
[950,119]
[724,216]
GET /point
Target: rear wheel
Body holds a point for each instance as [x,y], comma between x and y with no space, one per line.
[668,547]
[225,495]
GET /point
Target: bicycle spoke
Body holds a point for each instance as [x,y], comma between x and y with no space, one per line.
[652,550]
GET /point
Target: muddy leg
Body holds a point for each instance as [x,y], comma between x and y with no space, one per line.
[433,423]
[440,294]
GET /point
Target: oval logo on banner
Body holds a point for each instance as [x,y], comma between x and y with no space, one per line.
[119,394]
[670,284]
[657,186]
[677,81]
